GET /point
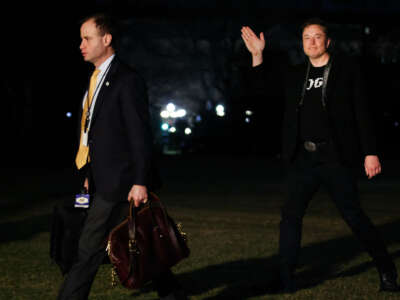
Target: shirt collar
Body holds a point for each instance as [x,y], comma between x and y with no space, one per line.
[105,64]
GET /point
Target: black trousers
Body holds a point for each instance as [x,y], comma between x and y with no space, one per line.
[104,214]
[305,176]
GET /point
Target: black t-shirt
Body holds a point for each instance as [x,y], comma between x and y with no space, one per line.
[313,123]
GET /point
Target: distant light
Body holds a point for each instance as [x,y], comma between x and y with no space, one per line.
[247,120]
[180,113]
[248,113]
[164,114]
[396,124]
[164,126]
[170,107]
[68,114]
[220,109]
[367,30]
[188,131]
[198,118]
[172,129]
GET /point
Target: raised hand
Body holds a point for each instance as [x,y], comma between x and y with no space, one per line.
[253,43]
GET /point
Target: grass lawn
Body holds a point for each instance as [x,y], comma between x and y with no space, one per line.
[233,233]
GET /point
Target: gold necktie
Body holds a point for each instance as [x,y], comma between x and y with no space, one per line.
[83,152]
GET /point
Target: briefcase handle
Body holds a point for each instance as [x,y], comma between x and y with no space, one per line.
[132,217]
[133,211]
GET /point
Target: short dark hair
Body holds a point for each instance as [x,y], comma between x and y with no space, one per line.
[316,21]
[106,24]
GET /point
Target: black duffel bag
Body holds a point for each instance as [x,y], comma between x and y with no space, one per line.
[66,228]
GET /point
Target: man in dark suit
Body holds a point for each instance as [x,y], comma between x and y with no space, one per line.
[326,129]
[115,154]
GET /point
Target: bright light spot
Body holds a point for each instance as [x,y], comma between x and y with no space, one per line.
[164,126]
[188,131]
[396,124]
[249,113]
[247,120]
[68,114]
[180,113]
[170,107]
[164,114]
[367,30]
[172,129]
[198,118]
[220,109]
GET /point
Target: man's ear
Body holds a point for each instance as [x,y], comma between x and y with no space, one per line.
[107,38]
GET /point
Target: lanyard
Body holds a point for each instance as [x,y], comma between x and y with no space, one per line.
[91,104]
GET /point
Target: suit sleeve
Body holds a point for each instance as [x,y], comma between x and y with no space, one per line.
[135,115]
[363,115]
[257,79]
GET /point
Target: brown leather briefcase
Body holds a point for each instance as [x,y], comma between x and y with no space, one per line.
[145,245]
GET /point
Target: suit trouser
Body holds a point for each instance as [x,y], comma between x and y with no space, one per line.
[103,215]
[305,176]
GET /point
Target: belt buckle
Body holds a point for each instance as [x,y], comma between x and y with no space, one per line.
[310,146]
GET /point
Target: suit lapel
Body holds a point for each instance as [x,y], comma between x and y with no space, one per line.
[107,84]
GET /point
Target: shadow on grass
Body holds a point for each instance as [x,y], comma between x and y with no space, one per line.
[255,277]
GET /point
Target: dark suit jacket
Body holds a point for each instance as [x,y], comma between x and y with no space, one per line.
[351,126]
[120,139]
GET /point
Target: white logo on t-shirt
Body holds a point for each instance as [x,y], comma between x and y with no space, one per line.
[316,83]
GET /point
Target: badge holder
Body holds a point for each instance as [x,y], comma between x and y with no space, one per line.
[82,200]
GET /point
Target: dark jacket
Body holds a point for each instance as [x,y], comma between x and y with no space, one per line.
[120,139]
[349,117]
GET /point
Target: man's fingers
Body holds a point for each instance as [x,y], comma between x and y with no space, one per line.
[379,170]
[262,36]
[130,198]
[371,172]
[247,32]
[245,35]
[139,201]
[368,173]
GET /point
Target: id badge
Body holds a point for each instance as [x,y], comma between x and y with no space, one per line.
[82,200]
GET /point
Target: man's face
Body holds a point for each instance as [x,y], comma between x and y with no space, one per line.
[93,45]
[315,41]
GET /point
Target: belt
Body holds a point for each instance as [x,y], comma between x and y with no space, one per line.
[311,146]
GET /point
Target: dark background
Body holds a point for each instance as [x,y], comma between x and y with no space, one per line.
[190,53]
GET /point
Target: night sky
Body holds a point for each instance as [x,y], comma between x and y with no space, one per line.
[189,53]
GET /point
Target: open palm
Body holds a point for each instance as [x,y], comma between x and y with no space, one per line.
[253,43]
